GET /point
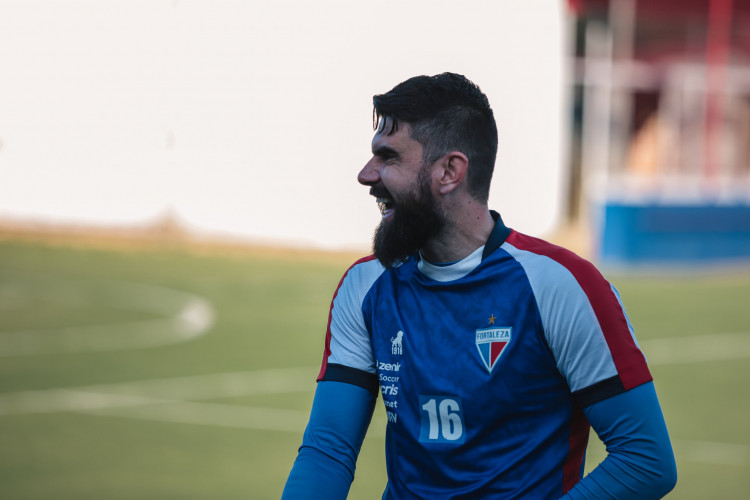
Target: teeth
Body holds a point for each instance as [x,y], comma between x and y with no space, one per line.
[384,204]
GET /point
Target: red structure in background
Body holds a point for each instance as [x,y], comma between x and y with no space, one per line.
[717,57]
[663,94]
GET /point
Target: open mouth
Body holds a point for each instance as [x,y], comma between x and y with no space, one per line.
[386,206]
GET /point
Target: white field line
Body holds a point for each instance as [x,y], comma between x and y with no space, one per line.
[188,316]
[213,414]
[223,415]
[202,387]
[164,400]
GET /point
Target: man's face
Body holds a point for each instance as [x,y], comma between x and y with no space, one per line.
[401,183]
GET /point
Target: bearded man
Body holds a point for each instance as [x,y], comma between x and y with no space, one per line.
[493,351]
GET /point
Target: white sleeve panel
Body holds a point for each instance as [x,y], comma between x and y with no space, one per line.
[349,338]
[570,325]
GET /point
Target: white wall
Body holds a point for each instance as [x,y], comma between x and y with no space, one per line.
[253,118]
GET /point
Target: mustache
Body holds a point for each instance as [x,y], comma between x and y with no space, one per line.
[380,192]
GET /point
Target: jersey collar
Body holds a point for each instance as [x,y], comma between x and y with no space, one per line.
[459,269]
[497,237]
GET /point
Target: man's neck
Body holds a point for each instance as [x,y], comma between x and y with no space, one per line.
[460,237]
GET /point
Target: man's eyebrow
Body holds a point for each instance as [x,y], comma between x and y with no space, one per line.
[385,152]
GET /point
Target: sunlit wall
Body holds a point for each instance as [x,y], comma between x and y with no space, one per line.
[253,118]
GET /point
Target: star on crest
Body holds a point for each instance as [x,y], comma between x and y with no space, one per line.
[491,319]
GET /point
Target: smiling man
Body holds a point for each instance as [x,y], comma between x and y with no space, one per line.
[493,351]
[411,215]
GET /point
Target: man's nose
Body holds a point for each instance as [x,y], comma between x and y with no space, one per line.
[369,175]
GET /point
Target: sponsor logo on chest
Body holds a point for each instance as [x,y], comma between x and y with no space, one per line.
[397,344]
[388,375]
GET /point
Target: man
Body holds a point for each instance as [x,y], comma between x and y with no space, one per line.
[493,351]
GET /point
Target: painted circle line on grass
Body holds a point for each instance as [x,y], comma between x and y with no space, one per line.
[185,317]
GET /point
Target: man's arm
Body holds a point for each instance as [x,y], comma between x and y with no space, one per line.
[325,464]
[640,463]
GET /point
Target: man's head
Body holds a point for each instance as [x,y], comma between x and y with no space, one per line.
[445,112]
[435,140]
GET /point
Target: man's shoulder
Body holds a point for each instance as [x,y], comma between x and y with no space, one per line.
[365,264]
[361,274]
[552,269]
[540,246]
[546,254]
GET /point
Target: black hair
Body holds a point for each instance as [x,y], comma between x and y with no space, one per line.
[445,112]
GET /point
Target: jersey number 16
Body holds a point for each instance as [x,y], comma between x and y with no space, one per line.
[442,419]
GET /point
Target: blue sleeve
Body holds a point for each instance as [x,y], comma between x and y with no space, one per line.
[640,463]
[325,464]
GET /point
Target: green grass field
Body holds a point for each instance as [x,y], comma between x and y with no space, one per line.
[160,374]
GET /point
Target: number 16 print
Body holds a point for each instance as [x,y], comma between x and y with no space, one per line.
[442,419]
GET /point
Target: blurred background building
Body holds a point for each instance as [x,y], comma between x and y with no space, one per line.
[661,129]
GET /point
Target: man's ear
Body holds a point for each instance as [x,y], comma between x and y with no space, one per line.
[453,169]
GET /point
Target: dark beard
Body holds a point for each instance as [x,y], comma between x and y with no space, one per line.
[415,221]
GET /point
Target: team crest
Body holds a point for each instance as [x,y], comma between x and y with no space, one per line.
[491,343]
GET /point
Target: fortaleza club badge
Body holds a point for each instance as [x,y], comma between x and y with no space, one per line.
[491,343]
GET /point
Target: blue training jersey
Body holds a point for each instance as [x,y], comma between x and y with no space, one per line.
[483,365]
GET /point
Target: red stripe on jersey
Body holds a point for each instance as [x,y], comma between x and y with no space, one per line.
[579,439]
[327,351]
[629,361]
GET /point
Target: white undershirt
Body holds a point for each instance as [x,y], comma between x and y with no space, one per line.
[453,271]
